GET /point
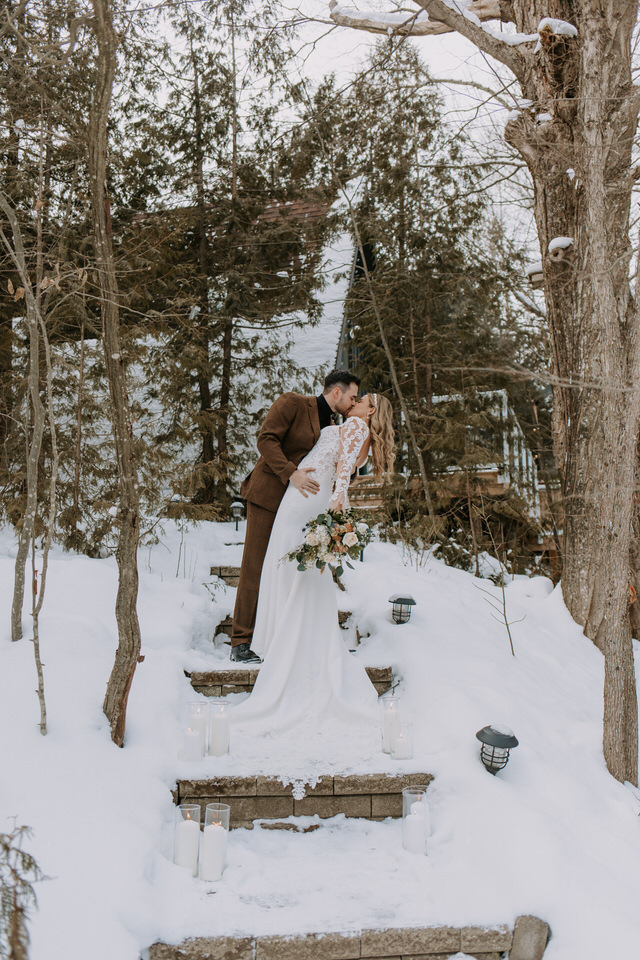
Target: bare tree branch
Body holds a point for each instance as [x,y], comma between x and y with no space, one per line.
[487,42]
[400,23]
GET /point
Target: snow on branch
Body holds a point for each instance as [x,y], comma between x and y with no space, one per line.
[560,243]
[560,248]
[560,28]
[403,22]
[477,11]
[411,22]
[549,28]
[466,18]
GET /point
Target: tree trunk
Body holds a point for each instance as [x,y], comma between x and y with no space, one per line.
[206,493]
[584,86]
[115,702]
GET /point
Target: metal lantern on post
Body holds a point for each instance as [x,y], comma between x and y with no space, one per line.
[236,511]
[401,607]
[496,742]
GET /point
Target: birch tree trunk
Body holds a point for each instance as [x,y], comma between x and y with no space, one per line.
[115,702]
[576,137]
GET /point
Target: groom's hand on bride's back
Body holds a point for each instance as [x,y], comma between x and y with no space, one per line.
[301,480]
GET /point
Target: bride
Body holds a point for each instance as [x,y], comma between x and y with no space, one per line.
[307,671]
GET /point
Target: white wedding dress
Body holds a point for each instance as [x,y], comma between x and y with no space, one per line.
[308,673]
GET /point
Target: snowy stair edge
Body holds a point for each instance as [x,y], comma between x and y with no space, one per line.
[368,796]
[219,683]
[526,941]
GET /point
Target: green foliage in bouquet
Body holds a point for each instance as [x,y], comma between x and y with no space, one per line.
[332,539]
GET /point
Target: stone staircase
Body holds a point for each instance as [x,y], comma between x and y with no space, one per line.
[270,803]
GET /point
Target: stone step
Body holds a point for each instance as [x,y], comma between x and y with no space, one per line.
[225,626]
[402,943]
[230,575]
[370,796]
[219,683]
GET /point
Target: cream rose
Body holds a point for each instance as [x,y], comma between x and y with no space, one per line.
[350,539]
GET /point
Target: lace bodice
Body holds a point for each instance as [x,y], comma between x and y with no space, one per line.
[335,455]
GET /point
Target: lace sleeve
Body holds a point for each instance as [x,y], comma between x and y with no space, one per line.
[353,435]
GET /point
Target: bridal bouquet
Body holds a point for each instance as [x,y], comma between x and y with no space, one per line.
[331,539]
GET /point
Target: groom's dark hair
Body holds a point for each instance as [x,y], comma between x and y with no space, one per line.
[340,378]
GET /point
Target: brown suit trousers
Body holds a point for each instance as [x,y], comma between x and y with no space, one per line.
[288,433]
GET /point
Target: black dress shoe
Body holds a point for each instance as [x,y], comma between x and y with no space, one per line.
[242,653]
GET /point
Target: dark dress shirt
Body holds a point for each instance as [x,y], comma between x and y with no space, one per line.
[325,413]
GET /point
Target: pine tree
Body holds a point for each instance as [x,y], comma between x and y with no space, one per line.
[225,269]
[439,272]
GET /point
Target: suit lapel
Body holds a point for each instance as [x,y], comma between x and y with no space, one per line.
[315,419]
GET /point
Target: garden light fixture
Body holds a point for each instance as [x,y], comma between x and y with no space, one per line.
[496,742]
[401,607]
[236,511]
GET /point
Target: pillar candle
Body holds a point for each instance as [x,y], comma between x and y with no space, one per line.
[421,808]
[198,720]
[390,727]
[187,837]
[214,845]
[219,735]
[401,748]
[413,831]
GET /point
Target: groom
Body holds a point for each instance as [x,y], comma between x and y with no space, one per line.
[290,429]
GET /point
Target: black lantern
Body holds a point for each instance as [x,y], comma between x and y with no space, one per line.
[496,743]
[236,511]
[401,607]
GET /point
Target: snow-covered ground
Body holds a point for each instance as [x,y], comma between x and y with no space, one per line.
[553,834]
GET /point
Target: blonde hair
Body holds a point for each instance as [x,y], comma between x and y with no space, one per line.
[382,436]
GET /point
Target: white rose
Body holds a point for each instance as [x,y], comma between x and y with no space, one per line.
[362,528]
[323,534]
[350,539]
[311,538]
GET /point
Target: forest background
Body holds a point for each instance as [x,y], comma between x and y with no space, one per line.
[171,181]
[213,135]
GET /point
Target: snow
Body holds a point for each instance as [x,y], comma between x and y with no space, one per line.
[560,28]
[535,267]
[508,36]
[560,243]
[552,834]
[386,18]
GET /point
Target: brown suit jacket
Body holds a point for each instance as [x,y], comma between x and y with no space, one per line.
[288,433]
